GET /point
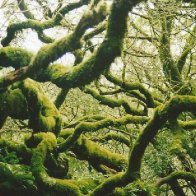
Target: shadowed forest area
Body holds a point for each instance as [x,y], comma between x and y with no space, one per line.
[97,97]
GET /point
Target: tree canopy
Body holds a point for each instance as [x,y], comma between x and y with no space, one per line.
[97,97]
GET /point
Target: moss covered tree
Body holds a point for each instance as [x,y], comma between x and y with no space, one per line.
[97,97]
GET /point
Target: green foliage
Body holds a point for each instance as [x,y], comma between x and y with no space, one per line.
[158,156]
[140,188]
[9,157]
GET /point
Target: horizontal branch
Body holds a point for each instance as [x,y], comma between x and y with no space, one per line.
[188,176]
[191,124]
[113,136]
[111,102]
[85,127]
[94,153]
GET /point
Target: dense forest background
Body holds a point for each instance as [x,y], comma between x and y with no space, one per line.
[97,97]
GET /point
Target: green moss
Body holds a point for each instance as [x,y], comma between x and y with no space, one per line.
[84,127]
[108,185]
[161,115]
[189,176]
[118,137]
[43,115]
[170,110]
[133,86]
[37,25]
[16,178]
[54,72]
[100,60]
[53,51]
[96,154]
[21,150]
[23,7]
[87,184]
[111,102]
[47,145]
[16,104]
[13,104]
[170,68]
[14,57]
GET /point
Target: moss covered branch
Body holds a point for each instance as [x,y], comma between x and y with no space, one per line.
[99,29]
[113,136]
[190,44]
[13,103]
[188,176]
[191,124]
[43,115]
[20,149]
[24,8]
[26,100]
[87,70]
[111,102]
[85,127]
[133,86]
[14,57]
[170,68]
[95,154]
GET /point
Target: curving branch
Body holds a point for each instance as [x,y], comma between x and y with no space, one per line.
[40,26]
[191,124]
[113,136]
[26,100]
